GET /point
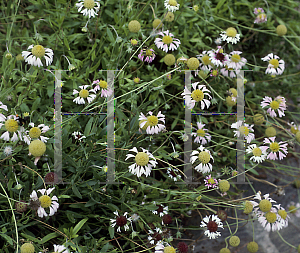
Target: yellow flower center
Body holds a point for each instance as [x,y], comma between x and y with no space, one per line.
[211,181]
[197,95]
[149,52]
[141,159]
[214,72]
[134,42]
[38,51]
[204,157]
[271,217]
[35,132]
[169,249]
[262,16]
[152,120]
[274,146]
[244,130]
[83,93]
[257,152]
[11,125]
[265,205]
[167,39]
[205,60]
[275,63]
[201,132]
[45,201]
[236,58]
[89,4]
[282,214]
[172,2]
[231,32]
[274,105]
[103,84]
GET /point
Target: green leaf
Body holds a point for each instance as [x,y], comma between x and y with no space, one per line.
[88,126]
[110,36]
[76,192]
[66,43]
[49,237]
[36,103]
[7,238]
[111,231]
[79,225]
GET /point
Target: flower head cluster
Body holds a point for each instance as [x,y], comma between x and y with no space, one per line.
[83,94]
[204,157]
[11,126]
[167,42]
[151,123]
[210,182]
[45,202]
[243,129]
[171,5]
[103,86]
[161,209]
[144,162]
[276,66]
[230,35]
[121,221]
[197,95]
[278,104]
[148,54]
[212,223]
[202,137]
[173,174]
[275,148]
[261,16]
[270,217]
[36,53]
[88,7]
[218,57]
[233,66]
[205,62]
[259,154]
[35,133]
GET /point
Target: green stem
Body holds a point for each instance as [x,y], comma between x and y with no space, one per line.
[285,240]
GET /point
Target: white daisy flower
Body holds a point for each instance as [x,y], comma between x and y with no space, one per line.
[144,162]
[35,133]
[275,147]
[212,223]
[269,220]
[91,7]
[78,135]
[105,90]
[84,93]
[167,42]
[196,96]
[205,62]
[236,61]
[45,202]
[150,123]
[264,204]
[161,210]
[171,5]
[243,129]
[202,137]
[259,155]
[230,35]
[218,57]
[12,127]
[204,157]
[276,66]
[155,237]
[34,56]
[121,221]
[282,215]
[278,104]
